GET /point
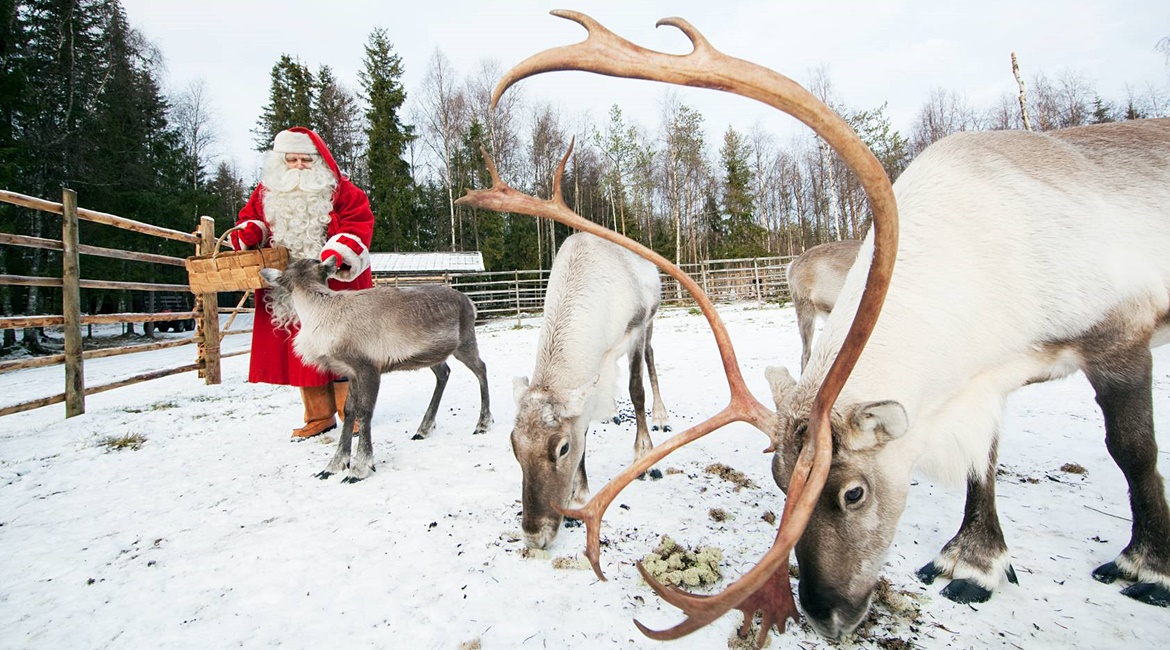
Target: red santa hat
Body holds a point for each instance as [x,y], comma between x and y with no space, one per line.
[289,141]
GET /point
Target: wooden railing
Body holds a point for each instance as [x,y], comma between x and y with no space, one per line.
[504,294]
[206,312]
[515,294]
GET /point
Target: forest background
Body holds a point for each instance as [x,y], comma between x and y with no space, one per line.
[85,104]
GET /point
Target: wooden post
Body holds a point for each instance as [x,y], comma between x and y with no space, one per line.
[759,283]
[516,280]
[208,334]
[71,306]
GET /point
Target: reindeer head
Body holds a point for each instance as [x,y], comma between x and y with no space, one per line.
[300,274]
[854,520]
[765,588]
[548,441]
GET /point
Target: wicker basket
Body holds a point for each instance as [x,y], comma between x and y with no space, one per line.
[233,270]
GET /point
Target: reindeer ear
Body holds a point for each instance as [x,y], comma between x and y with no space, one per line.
[519,387]
[781,382]
[875,423]
[330,265]
[270,275]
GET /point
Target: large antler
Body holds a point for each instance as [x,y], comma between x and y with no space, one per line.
[765,588]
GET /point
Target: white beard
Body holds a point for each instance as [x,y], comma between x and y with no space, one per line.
[297,204]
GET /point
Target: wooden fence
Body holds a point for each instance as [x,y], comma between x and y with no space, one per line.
[505,294]
[515,294]
[207,334]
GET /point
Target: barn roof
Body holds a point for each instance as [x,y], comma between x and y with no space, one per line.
[423,263]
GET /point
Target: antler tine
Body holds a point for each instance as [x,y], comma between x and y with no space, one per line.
[558,194]
[592,512]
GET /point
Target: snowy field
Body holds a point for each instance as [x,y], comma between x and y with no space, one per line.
[215,533]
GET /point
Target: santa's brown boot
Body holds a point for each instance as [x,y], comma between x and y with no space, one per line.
[319,410]
[340,394]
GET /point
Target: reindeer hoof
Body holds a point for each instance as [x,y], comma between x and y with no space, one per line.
[964,591]
[350,479]
[1108,573]
[572,523]
[655,474]
[1011,575]
[418,436]
[928,573]
[617,420]
[666,428]
[1148,593]
[323,475]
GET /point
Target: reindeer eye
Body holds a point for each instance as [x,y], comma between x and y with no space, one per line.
[853,495]
[564,450]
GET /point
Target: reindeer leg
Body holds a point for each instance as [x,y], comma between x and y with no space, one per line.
[1126,401]
[340,459]
[363,395]
[468,354]
[442,372]
[806,318]
[976,559]
[658,414]
[642,442]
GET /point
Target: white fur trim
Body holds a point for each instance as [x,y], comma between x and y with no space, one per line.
[293,142]
[263,230]
[357,262]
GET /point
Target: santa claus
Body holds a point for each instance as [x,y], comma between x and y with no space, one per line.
[305,204]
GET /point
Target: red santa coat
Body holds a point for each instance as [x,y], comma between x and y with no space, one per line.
[348,234]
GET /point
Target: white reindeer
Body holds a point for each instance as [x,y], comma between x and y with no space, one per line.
[1023,257]
[815,278]
[600,305]
[362,334]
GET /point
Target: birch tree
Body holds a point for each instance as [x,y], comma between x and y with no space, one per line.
[443,116]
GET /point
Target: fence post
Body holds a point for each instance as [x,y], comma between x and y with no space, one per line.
[71,305]
[208,334]
[759,282]
[516,280]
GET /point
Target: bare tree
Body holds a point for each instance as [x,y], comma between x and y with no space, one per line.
[443,115]
[546,146]
[502,124]
[193,118]
[943,113]
[684,166]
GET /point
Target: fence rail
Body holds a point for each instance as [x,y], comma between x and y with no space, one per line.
[206,313]
[503,294]
[514,294]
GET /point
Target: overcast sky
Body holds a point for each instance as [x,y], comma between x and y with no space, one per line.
[873,52]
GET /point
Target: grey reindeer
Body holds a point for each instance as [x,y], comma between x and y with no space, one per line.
[363,334]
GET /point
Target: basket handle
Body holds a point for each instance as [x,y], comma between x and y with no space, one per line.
[219,240]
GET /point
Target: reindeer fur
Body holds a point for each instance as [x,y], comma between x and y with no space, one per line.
[362,334]
[1023,257]
[600,306]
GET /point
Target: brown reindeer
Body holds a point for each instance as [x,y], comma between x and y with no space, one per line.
[815,278]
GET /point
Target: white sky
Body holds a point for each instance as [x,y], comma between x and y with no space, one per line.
[895,51]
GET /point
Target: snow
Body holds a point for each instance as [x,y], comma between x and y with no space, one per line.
[215,532]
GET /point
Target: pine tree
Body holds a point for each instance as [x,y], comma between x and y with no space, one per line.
[744,237]
[391,187]
[290,101]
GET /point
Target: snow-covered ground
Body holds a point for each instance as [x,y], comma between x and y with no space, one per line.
[215,533]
